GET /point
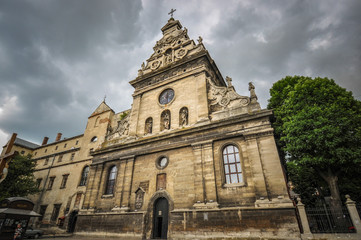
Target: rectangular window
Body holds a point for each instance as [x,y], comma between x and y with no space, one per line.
[38,182]
[56,148]
[63,182]
[161,181]
[55,214]
[35,153]
[60,158]
[65,145]
[77,141]
[46,161]
[42,211]
[51,182]
[46,150]
[72,156]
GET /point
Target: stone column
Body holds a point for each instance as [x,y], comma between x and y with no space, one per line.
[303,218]
[351,207]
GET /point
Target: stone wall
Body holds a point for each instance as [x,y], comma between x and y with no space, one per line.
[235,223]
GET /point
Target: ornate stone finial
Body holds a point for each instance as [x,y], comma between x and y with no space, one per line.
[348,199]
[171,12]
[143,66]
[105,96]
[299,201]
[229,81]
[200,40]
[253,95]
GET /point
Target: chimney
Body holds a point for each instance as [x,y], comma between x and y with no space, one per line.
[58,137]
[45,141]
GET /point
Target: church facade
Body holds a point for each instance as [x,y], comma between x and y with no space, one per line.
[190,159]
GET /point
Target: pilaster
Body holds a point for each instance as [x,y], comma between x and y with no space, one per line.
[204,181]
[127,182]
[202,98]
[257,170]
[134,115]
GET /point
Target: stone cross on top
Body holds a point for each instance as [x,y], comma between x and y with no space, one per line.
[171,12]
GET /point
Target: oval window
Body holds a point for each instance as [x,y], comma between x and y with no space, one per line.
[166,96]
[162,162]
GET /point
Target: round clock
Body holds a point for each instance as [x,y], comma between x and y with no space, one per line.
[166,96]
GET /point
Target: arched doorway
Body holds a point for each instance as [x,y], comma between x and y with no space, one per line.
[72,221]
[160,218]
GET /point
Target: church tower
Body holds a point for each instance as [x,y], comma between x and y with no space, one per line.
[190,158]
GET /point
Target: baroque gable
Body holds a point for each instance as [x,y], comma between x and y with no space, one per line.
[174,46]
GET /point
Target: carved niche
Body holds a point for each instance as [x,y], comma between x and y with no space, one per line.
[220,98]
[139,198]
[183,117]
[165,120]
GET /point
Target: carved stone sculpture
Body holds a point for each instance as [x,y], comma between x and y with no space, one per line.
[165,120]
[120,131]
[252,91]
[148,125]
[223,97]
[183,117]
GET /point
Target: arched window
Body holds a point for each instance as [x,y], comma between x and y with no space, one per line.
[183,116]
[148,126]
[84,176]
[111,180]
[165,120]
[232,164]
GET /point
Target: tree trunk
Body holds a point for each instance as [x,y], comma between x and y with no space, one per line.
[335,203]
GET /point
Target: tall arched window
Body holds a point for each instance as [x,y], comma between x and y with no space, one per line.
[232,164]
[111,180]
[84,176]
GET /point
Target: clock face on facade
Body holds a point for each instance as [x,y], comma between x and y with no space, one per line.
[166,96]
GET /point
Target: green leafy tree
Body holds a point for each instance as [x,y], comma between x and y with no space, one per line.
[20,180]
[318,127]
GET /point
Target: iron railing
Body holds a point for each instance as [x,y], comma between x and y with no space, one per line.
[323,219]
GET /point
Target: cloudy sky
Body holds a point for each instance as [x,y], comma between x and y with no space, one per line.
[59,58]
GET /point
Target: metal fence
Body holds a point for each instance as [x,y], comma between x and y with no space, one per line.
[323,219]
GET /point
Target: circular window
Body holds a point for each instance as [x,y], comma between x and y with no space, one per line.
[94,139]
[162,162]
[166,96]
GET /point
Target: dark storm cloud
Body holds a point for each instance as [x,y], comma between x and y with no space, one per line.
[59,58]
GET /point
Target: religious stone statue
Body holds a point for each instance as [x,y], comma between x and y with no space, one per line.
[149,125]
[183,117]
[143,66]
[166,120]
[229,81]
[253,95]
[200,40]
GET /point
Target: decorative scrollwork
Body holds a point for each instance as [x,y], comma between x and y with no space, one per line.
[223,97]
[121,130]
